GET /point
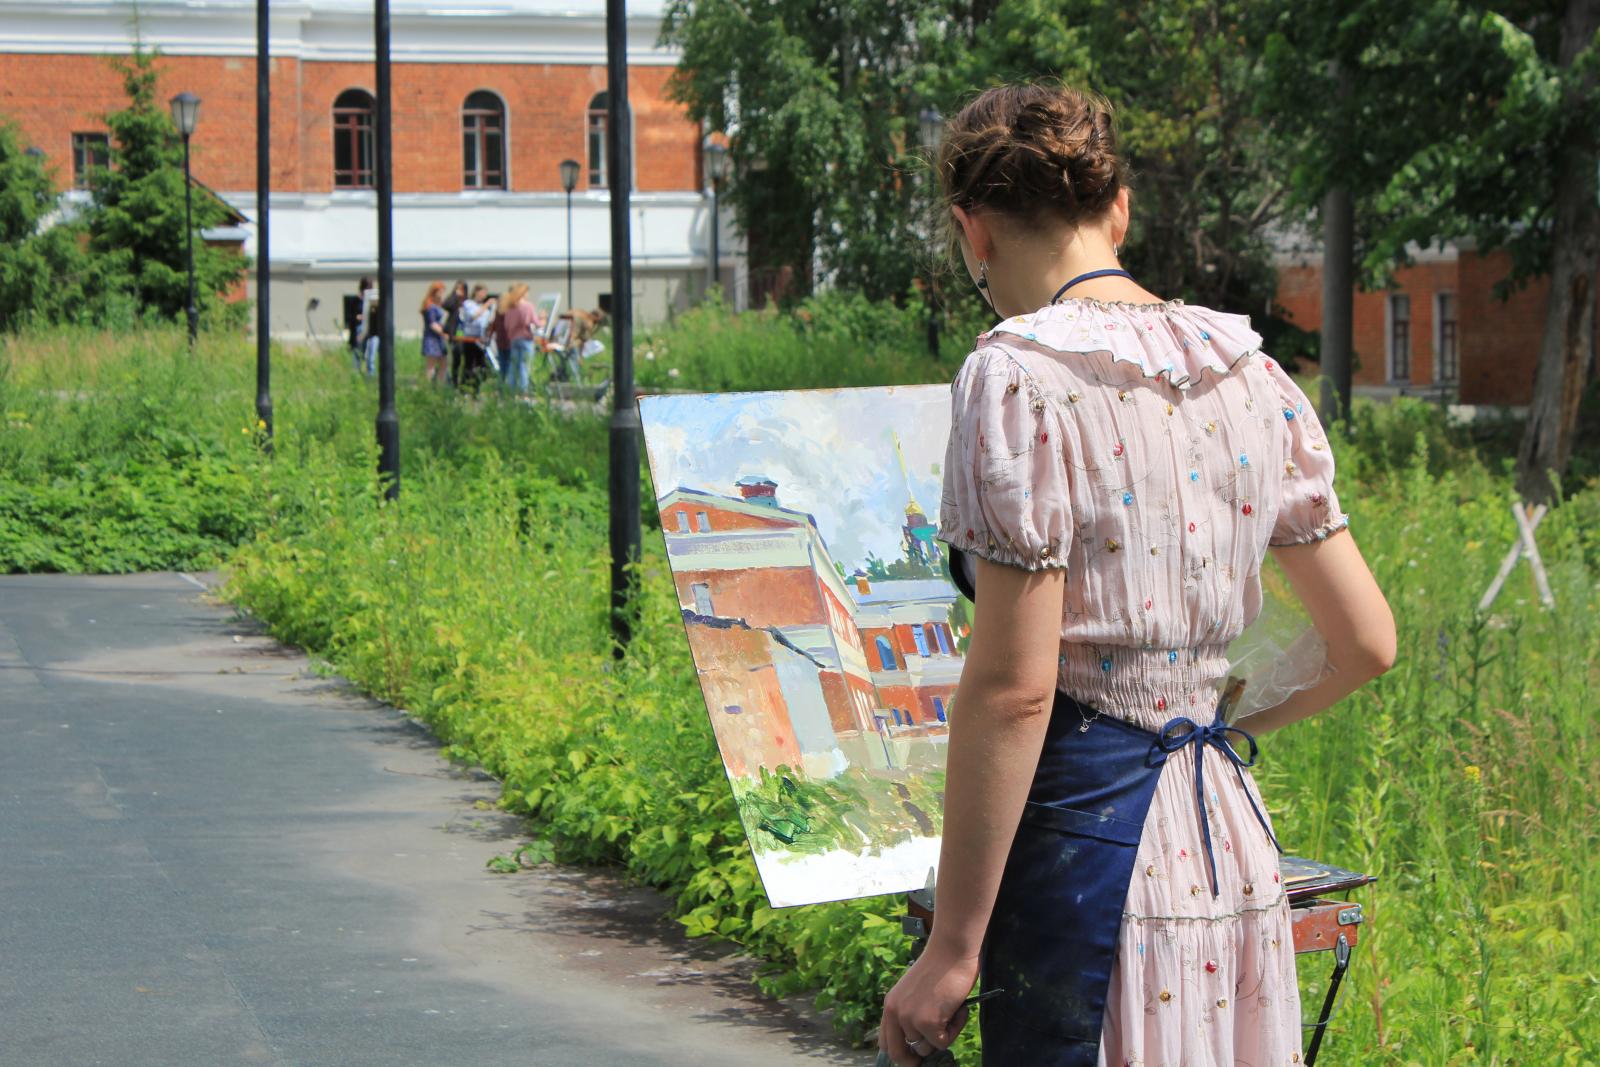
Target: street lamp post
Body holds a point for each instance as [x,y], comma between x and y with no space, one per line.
[185,110]
[930,125]
[263,229]
[569,182]
[716,156]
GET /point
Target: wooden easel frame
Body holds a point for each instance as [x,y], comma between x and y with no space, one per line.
[1525,548]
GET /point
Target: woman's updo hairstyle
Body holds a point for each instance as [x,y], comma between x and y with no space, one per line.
[1033,151]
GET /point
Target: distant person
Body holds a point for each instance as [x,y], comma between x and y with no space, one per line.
[433,335]
[452,327]
[366,350]
[514,337]
[476,314]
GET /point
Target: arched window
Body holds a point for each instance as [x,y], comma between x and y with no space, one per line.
[352,139]
[595,124]
[483,142]
[886,655]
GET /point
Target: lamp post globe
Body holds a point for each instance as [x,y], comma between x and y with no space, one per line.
[569,181]
[930,124]
[185,113]
[716,165]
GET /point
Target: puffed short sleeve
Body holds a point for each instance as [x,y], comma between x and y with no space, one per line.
[1006,492]
[1309,508]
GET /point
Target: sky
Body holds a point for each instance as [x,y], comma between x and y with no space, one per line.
[831,451]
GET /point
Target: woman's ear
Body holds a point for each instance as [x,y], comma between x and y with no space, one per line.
[977,232]
[1120,216]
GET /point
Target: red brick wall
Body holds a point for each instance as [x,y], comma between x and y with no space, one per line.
[720,519]
[767,596]
[1498,342]
[735,668]
[50,97]
[1499,339]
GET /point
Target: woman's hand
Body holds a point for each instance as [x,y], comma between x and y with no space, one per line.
[923,1012]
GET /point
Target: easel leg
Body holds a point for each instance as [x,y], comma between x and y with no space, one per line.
[1341,963]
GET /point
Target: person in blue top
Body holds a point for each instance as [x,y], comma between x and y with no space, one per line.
[433,335]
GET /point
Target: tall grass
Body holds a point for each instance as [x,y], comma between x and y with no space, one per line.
[1461,778]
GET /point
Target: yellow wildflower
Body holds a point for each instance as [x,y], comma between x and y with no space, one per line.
[1473,772]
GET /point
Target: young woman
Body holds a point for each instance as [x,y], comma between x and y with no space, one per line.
[1118,467]
[516,327]
[433,336]
[366,350]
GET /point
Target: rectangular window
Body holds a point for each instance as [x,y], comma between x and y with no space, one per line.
[921,639]
[938,709]
[597,149]
[702,522]
[1399,337]
[1447,363]
[483,146]
[702,598]
[683,522]
[943,637]
[353,146]
[90,152]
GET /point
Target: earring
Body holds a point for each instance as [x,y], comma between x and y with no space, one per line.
[1116,250]
[983,274]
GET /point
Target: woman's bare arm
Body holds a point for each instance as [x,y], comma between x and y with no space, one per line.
[1348,609]
[997,726]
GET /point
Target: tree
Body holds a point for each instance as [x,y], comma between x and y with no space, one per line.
[41,267]
[1497,145]
[136,222]
[821,104]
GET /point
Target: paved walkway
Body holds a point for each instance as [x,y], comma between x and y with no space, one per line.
[209,857]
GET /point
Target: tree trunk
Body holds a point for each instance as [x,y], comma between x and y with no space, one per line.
[1338,303]
[1568,345]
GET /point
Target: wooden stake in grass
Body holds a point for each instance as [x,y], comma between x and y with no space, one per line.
[1526,547]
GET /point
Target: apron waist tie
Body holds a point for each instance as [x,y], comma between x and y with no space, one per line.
[1182,730]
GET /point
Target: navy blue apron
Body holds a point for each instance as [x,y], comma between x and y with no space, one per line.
[1052,936]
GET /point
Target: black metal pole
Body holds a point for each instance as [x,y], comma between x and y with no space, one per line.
[188,229]
[388,421]
[569,249]
[716,254]
[625,414]
[263,254]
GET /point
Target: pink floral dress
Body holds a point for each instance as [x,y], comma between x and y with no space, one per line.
[1155,453]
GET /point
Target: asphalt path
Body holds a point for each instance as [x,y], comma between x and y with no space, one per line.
[210,855]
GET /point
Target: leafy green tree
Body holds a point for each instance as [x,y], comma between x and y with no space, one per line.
[1446,120]
[1206,190]
[41,267]
[136,223]
[821,106]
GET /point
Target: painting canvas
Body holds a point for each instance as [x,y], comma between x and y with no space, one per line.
[824,628]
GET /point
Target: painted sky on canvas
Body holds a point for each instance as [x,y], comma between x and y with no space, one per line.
[830,451]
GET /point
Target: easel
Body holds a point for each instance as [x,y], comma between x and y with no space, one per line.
[1525,548]
[1319,925]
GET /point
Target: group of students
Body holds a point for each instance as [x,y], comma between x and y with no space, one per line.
[479,332]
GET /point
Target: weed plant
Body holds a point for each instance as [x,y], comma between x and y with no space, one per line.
[479,603]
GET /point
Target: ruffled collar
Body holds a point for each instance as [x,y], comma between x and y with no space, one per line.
[1170,339]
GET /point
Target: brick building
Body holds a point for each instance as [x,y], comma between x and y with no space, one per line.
[1440,329]
[487,99]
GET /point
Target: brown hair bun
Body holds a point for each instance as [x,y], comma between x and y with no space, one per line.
[1032,150]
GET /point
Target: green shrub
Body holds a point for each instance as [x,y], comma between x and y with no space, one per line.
[479,603]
